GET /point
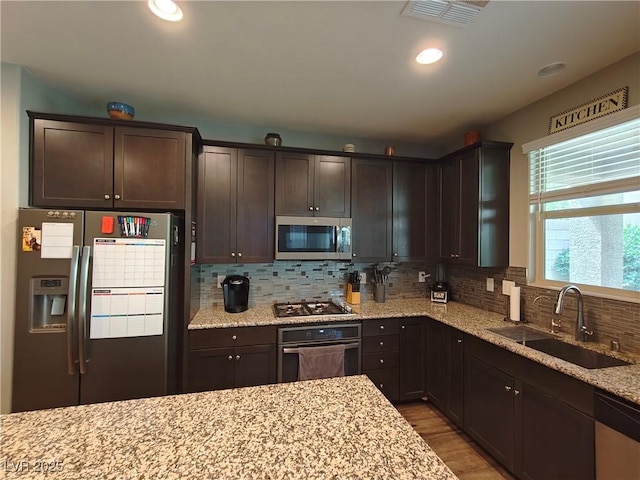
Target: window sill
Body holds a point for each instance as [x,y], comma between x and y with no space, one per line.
[631,298]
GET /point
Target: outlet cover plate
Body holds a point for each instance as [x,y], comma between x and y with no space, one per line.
[422,277]
[506,287]
[363,277]
[490,284]
[220,280]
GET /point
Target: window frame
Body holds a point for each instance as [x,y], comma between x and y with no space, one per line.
[536,271]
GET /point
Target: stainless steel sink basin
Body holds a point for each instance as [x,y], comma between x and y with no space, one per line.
[549,344]
[573,353]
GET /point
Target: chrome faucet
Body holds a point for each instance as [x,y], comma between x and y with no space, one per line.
[581,330]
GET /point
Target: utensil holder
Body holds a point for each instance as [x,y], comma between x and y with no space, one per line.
[379,292]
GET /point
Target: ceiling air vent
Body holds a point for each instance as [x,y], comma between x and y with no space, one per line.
[459,13]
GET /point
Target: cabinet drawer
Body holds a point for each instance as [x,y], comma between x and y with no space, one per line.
[372,361]
[386,379]
[229,337]
[380,343]
[380,326]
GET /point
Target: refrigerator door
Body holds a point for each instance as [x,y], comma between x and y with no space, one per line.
[45,373]
[123,329]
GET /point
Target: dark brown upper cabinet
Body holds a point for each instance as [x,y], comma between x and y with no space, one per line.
[313,185]
[371,198]
[96,165]
[415,212]
[235,206]
[474,205]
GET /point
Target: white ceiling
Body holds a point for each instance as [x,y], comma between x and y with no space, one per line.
[321,66]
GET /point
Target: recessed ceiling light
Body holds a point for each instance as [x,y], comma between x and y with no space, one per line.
[430,55]
[551,69]
[166,9]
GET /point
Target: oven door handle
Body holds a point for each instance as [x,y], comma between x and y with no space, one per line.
[297,349]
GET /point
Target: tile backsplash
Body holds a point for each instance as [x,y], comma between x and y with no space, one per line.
[283,281]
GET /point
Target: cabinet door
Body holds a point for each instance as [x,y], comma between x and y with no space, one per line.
[449,209]
[216,205]
[436,363]
[149,169]
[557,440]
[455,376]
[255,197]
[72,165]
[211,369]
[294,184]
[332,186]
[469,205]
[412,358]
[489,412]
[254,365]
[371,201]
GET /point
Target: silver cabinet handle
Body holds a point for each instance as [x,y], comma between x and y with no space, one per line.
[516,392]
[233,254]
[239,254]
[234,337]
[107,196]
[459,340]
[82,323]
[381,327]
[311,209]
[317,209]
[382,344]
[230,357]
[381,386]
[117,197]
[71,309]
[395,254]
[237,357]
[382,360]
[353,254]
[403,327]
[507,388]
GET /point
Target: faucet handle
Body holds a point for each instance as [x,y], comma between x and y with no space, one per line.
[586,331]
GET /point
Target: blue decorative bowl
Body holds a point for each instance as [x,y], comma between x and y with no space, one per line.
[120,111]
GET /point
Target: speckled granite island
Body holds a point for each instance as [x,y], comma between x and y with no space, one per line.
[623,381]
[340,428]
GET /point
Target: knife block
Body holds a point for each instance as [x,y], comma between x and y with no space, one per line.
[353,294]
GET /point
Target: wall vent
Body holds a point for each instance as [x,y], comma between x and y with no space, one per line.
[452,12]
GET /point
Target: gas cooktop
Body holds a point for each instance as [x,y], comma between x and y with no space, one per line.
[305,309]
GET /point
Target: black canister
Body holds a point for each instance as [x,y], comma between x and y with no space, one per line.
[235,289]
[273,140]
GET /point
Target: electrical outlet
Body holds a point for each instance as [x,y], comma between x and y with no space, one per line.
[363,277]
[506,287]
[422,277]
[220,280]
[490,284]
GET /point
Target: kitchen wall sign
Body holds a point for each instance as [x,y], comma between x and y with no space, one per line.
[601,106]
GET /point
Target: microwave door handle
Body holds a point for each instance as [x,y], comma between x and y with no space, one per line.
[82,324]
[71,308]
[339,243]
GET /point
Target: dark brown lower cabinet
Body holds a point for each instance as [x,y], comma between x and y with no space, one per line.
[412,358]
[380,354]
[222,358]
[538,423]
[445,369]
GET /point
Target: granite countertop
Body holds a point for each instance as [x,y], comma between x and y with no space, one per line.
[339,428]
[623,381]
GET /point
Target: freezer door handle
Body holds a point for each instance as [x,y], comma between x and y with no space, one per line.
[71,309]
[82,324]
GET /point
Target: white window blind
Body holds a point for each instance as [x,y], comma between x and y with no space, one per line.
[601,162]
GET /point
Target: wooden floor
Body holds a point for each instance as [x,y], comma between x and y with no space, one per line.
[461,454]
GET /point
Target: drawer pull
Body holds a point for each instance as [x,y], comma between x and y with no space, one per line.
[507,388]
[230,357]
[237,357]
[382,344]
[459,340]
[234,337]
[381,327]
[403,327]
[381,386]
[382,360]
[516,392]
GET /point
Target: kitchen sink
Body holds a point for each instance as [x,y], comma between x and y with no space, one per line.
[573,353]
[549,344]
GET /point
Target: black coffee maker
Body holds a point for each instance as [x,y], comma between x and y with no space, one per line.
[235,289]
[440,289]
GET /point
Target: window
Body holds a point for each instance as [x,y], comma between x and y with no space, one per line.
[584,200]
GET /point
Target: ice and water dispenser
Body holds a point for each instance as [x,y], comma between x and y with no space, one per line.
[48,304]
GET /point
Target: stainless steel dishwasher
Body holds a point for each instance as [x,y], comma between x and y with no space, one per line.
[617,438]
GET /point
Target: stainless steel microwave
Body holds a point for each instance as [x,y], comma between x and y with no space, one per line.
[313,238]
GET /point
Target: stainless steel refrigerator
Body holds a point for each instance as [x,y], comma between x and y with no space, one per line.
[96,307]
